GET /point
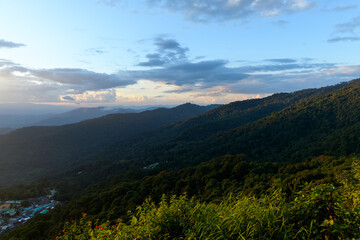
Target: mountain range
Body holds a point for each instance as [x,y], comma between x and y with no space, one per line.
[26,119]
[109,165]
[30,152]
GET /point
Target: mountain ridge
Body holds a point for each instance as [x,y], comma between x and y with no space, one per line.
[61,146]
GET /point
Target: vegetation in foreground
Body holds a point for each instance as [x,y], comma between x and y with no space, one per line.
[316,212]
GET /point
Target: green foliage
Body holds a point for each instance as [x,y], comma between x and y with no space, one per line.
[209,182]
[320,212]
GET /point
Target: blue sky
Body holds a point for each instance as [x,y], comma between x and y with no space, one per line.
[167,52]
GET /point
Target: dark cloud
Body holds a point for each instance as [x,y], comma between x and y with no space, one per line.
[81,79]
[154,60]
[167,51]
[343,39]
[215,10]
[192,75]
[67,98]
[207,73]
[24,84]
[8,44]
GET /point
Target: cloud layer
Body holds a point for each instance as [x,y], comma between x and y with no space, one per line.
[224,10]
[169,66]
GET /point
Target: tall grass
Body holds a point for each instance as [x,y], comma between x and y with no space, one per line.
[321,212]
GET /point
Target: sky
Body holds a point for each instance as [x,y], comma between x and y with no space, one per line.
[168,52]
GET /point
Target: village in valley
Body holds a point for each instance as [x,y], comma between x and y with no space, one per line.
[16,212]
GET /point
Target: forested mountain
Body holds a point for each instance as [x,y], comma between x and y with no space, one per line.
[298,148]
[214,133]
[31,152]
[326,123]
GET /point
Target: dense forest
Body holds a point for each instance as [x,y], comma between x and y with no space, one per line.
[281,167]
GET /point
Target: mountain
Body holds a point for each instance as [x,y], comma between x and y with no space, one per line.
[81,114]
[188,142]
[185,143]
[255,146]
[51,117]
[324,122]
[5,130]
[31,152]
[20,120]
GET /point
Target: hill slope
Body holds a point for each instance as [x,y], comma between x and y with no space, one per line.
[186,143]
[34,151]
[210,134]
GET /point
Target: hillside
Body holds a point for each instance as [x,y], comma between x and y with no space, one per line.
[184,143]
[275,144]
[189,142]
[31,152]
[326,123]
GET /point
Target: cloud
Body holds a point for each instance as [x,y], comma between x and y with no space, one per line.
[111,3]
[18,83]
[205,73]
[103,96]
[343,39]
[215,10]
[95,51]
[341,8]
[8,44]
[67,98]
[348,27]
[346,31]
[224,10]
[281,60]
[168,50]
[177,75]
[281,23]
[81,79]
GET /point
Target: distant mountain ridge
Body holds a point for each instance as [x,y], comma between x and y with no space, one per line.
[31,152]
[82,114]
[27,119]
[5,130]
